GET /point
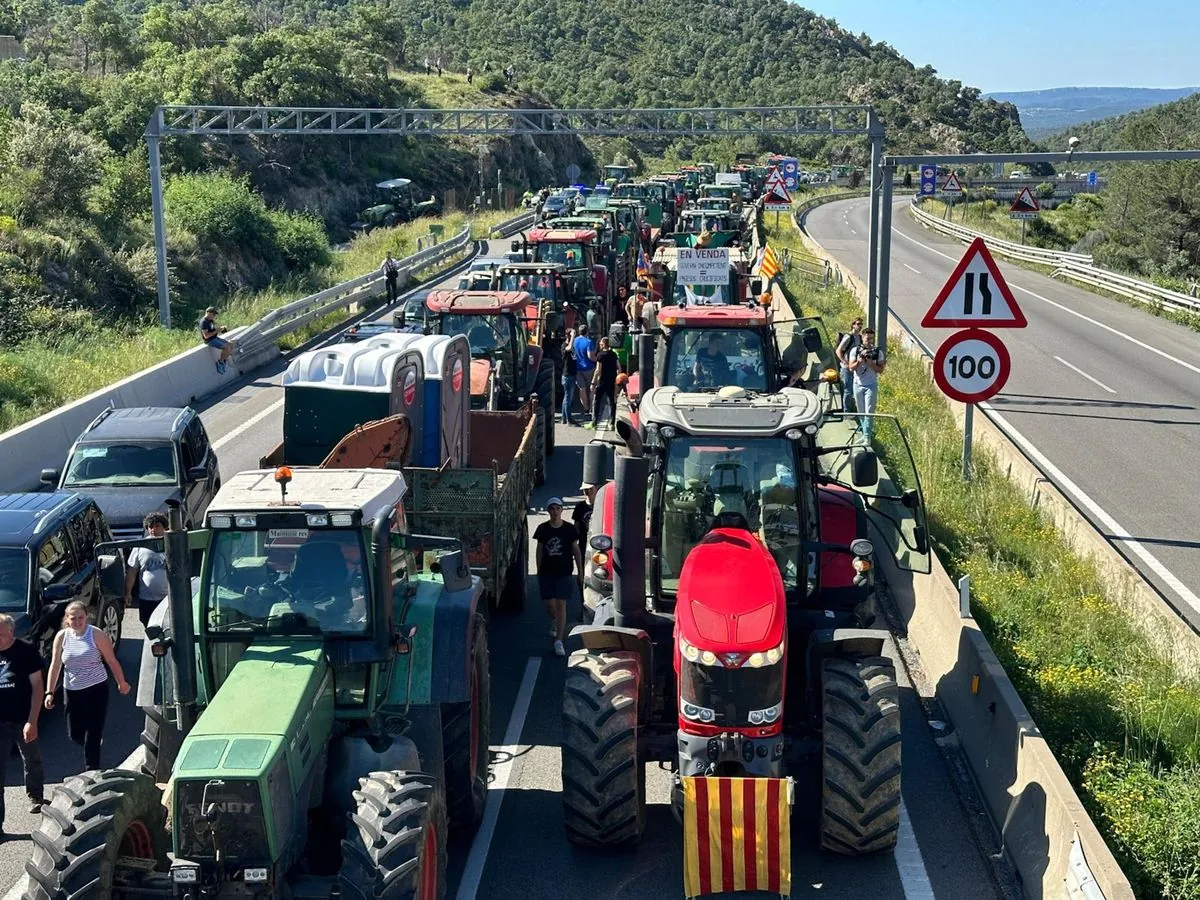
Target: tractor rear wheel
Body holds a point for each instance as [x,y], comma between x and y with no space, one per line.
[604,780]
[395,846]
[94,821]
[543,386]
[512,595]
[860,771]
[466,742]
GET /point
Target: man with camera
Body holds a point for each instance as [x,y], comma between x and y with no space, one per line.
[866,362]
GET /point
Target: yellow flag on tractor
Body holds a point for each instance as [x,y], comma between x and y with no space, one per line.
[769,267]
[736,835]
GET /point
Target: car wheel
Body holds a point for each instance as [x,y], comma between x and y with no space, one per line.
[109,618]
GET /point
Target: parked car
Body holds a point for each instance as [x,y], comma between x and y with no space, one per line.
[132,461]
[48,559]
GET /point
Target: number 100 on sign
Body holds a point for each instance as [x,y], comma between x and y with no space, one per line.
[971,366]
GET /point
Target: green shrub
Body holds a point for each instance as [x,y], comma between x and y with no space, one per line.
[221,210]
[300,239]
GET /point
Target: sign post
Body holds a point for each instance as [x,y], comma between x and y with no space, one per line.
[1025,207]
[973,365]
[775,194]
[952,188]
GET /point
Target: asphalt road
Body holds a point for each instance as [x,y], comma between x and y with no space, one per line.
[1107,393]
[520,851]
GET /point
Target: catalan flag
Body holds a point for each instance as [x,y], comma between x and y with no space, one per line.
[643,264]
[769,267]
[736,835]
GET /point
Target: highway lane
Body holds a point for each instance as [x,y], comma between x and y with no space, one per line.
[1107,392]
[521,851]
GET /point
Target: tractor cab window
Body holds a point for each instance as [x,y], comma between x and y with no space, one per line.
[540,287]
[567,253]
[286,581]
[703,359]
[487,335]
[755,478]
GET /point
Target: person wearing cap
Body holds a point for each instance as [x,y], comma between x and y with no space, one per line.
[581,515]
[558,556]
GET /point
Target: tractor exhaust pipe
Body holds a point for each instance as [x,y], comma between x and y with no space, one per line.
[645,362]
[629,540]
[183,635]
[596,456]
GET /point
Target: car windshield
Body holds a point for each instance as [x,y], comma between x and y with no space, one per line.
[14,578]
[568,253]
[111,465]
[755,478]
[485,334]
[286,581]
[540,286]
[712,358]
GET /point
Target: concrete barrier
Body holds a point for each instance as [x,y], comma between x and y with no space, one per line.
[1045,831]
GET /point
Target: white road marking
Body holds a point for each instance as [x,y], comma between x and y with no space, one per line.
[910,268]
[501,773]
[1067,309]
[1080,371]
[914,879]
[1117,532]
[247,425]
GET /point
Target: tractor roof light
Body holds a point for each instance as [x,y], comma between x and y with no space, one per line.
[861,547]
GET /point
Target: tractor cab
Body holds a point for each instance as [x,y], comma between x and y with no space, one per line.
[649,197]
[546,283]
[715,204]
[703,227]
[708,172]
[617,175]
[730,192]
[573,248]
[505,330]
[396,200]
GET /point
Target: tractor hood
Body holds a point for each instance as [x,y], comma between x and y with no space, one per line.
[731,597]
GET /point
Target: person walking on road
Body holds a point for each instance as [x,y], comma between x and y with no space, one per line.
[568,378]
[146,574]
[585,365]
[604,384]
[391,273]
[82,651]
[848,342]
[20,705]
[866,362]
[558,556]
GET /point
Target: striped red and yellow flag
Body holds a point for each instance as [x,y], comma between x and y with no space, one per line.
[736,835]
[769,267]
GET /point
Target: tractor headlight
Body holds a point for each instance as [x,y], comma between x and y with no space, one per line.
[185,874]
[697,713]
[861,547]
[696,655]
[765,716]
[766,657]
[255,876]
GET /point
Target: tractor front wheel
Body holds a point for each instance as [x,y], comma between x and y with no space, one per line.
[860,765]
[98,828]
[466,740]
[395,846]
[604,780]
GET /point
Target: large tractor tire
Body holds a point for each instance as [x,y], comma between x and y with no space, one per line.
[395,847]
[512,595]
[543,386]
[604,781]
[466,740]
[94,820]
[162,741]
[860,770]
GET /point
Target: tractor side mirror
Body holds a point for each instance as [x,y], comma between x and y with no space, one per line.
[400,319]
[864,468]
[910,500]
[756,287]
[49,476]
[812,339]
[516,246]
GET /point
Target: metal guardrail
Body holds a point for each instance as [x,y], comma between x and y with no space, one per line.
[996,245]
[1076,267]
[292,316]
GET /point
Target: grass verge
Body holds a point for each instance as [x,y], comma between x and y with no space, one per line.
[40,376]
[1121,719]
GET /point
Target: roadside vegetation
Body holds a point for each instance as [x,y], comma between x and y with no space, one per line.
[54,365]
[1121,718]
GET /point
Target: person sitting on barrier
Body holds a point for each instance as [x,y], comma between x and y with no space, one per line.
[210,334]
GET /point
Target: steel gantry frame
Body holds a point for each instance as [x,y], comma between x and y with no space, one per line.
[731,121]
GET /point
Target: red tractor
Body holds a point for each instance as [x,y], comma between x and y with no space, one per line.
[732,614]
[580,251]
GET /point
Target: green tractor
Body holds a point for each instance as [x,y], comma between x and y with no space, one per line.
[316,714]
[396,201]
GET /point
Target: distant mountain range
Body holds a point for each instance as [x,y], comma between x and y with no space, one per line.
[1046,112]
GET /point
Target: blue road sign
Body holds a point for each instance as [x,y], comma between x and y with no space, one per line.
[1091,179]
[573,173]
[928,181]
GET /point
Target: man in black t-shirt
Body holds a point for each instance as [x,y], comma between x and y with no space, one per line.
[557,557]
[21,693]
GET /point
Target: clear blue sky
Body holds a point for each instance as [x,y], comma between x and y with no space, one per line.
[1022,45]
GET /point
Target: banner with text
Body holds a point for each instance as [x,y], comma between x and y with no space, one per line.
[699,265]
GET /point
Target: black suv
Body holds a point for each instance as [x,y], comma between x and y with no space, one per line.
[132,461]
[48,558]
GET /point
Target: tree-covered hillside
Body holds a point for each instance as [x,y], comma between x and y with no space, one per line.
[74,197]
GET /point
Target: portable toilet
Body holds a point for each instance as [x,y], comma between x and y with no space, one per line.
[330,392]
[447,414]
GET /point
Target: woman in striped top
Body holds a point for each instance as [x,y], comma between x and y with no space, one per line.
[82,650]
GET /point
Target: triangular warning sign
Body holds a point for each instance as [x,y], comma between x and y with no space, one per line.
[775,177]
[777,193]
[1025,202]
[975,295]
[952,185]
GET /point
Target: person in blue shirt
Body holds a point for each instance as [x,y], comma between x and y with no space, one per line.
[584,349]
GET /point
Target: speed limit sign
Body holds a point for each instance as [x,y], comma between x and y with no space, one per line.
[971,366]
